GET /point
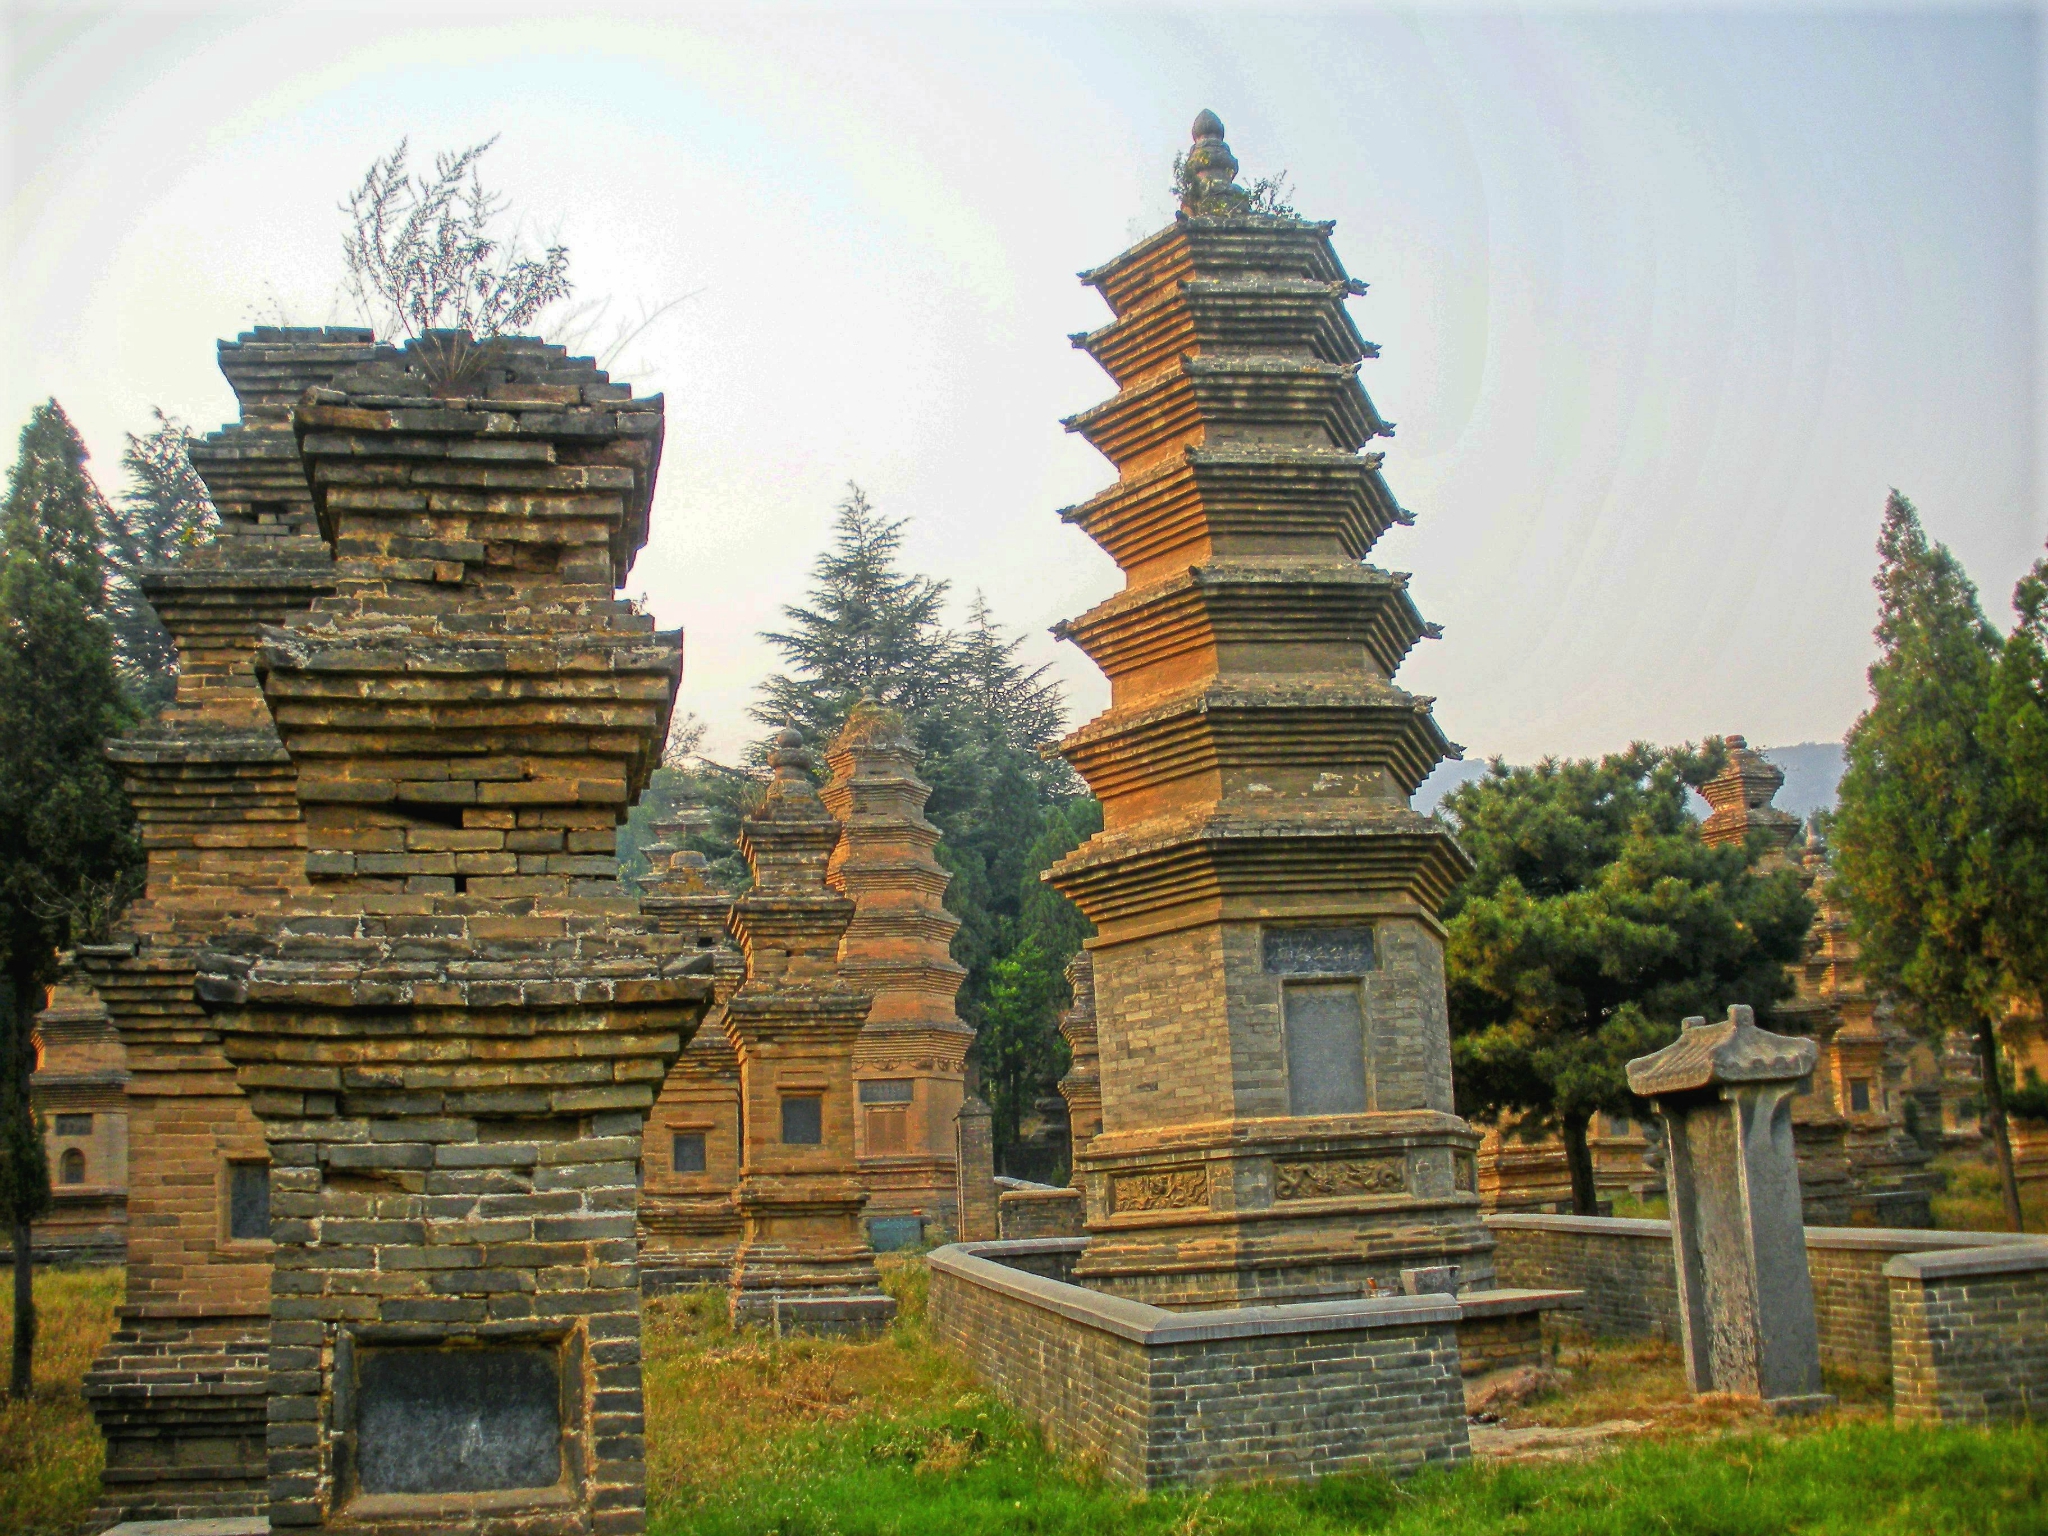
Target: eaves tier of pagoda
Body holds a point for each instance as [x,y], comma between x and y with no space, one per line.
[1255,739]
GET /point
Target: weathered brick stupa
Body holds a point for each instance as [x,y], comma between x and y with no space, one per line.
[910,1062]
[1275,1056]
[453,1040]
[689,1226]
[179,1391]
[804,1260]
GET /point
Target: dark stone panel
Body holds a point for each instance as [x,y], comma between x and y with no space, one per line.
[1325,1049]
[1318,951]
[458,1420]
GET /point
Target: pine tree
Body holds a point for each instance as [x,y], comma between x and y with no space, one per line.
[1916,831]
[164,511]
[868,627]
[69,855]
[1594,920]
[982,719]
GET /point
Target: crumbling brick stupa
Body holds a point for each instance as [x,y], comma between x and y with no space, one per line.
[689,1226]
[804,1259]
[179,1392]
[453,1029]
[910,1060]
[1275,1070]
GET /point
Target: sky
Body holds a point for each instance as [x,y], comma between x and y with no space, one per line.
[1667,301]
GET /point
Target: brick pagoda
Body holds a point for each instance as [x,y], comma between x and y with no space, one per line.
[1858,1165]
[453,1036]
[1275,1058]
[689,1226]
[910,1062]
[179,1391]
[804,1258]
[77,1093]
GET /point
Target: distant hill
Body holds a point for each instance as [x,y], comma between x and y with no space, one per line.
[1812,771]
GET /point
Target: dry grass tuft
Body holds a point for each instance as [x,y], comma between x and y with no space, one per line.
[50,1449]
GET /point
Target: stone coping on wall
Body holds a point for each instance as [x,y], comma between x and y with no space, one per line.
[1142,1323]
[2022,1253]
[1862,1239]
[996,1264]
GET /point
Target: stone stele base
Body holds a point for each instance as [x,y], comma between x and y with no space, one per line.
[1232,1394]
[860,1315]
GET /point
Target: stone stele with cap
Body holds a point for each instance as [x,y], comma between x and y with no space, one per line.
[1745,1295]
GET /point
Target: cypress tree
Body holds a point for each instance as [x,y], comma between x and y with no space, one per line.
[69,855]
[1916,830]
[164,511]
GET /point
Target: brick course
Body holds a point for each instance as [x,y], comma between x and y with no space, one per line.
[1196,1397]
[1625,1269]
[1970,1334]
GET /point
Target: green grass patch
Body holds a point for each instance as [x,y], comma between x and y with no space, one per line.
[50,1449]
[749,1436]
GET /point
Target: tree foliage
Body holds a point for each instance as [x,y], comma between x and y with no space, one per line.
[1594,920]
[163,513]
[983,719]
[428,252]
[1943,773]
[69,855]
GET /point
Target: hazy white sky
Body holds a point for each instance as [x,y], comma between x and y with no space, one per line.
[1666,301]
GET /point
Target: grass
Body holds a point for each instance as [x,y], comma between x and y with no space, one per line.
[1970,1202]
[50,1450]
[749,1435]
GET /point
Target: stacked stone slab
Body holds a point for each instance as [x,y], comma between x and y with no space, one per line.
[1857,1162]
[804,1259]
[910,1062]
[179,1391]
[452,1039]
[1275,1064]
[689,1226]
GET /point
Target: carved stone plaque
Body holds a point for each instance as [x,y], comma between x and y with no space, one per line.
[1465,1173]
[1323,1178]
[1166,1189]
[434,1420]
[1318,951]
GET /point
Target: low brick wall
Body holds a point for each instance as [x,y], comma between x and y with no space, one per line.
[1625,1269]
[1970,1334]
[1622,1266]
[1192,1397]
[1038,1210]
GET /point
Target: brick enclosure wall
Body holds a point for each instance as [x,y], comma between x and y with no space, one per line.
[1191,1397]
[1970,1334]
[1028,1213]
[1625,1269]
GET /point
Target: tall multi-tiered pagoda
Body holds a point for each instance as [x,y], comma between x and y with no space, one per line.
[804,1258]
[909,1064]
[690,1154]
[1275,1056]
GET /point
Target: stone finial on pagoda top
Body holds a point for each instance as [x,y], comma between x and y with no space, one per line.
[791,920]
[1741,797]
[1721,1055]
[1208,181]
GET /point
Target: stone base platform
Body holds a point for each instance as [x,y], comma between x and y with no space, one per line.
[240,1525]
[1257,1392]
[857,1316]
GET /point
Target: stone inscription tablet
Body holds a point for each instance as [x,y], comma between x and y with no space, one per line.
[458,1420]
[1318,951]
